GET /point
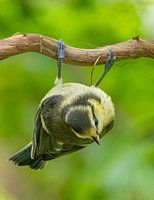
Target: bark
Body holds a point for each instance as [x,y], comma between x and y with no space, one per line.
[22,43]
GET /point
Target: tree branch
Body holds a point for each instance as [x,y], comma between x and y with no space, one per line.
[23,43]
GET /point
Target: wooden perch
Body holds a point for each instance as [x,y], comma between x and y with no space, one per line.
[23,43]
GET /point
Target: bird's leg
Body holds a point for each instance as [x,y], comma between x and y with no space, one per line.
[60,61]
[108,64]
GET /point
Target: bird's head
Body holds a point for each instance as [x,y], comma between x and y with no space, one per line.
[86,118]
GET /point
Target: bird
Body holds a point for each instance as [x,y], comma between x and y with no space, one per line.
[69,118]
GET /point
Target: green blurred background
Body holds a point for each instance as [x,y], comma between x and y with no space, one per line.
[122,168]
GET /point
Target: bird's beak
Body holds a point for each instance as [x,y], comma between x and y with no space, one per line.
[96,139]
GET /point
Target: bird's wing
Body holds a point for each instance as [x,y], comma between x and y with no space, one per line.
[67,149]
[43,140]
[40,142]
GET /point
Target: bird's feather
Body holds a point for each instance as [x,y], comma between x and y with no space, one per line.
[23,158]
[44,143]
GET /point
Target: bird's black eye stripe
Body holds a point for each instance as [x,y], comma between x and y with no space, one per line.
[96,121]
[95,118]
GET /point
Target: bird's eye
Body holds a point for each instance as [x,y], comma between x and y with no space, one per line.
[96,121]
[94,117]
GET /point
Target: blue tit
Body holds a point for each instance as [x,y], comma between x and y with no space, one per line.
[69,117]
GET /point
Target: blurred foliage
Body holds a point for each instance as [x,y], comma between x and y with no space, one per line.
[123,166]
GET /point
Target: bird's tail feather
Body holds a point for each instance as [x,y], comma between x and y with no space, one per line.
[23,158]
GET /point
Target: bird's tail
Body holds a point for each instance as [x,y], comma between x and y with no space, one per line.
[23,158]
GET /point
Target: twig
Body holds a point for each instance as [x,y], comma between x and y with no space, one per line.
[22,43]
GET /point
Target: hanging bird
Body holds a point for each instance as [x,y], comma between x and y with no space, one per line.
[69,117]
